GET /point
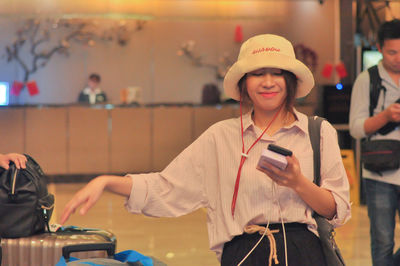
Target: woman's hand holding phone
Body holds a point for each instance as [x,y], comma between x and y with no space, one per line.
[290,175]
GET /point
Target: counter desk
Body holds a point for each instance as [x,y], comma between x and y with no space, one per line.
[73,140]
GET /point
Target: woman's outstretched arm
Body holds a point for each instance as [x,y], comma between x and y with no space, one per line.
[90,194]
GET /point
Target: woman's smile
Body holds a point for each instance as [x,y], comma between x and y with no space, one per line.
[268,94]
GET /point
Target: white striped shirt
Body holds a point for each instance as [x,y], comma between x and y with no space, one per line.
[204,175]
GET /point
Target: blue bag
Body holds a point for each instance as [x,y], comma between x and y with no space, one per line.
[127,257]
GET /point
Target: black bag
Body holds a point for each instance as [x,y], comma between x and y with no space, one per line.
[326,232]
[380,155]
[25,204]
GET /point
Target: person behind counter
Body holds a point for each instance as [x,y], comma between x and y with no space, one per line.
[92,94]
[219,170]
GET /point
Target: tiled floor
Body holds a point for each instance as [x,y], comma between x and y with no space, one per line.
[183,241]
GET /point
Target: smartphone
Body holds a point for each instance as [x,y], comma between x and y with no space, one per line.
[280,150]
[275,155]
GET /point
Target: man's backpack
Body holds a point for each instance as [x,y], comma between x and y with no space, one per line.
[375,87]
[25,204]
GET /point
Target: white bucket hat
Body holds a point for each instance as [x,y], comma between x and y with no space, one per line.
[267,50]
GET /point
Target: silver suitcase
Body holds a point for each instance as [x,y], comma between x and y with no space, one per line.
[46,249]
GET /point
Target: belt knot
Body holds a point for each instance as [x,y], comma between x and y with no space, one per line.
[262,230]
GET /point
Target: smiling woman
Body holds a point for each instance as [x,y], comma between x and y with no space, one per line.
[269,83]
[271,78]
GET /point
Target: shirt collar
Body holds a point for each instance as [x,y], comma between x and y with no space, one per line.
[301,122]
[89,91]
[248,121]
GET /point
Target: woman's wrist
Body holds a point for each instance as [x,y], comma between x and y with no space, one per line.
[116,184]
[301,184]
[103,181]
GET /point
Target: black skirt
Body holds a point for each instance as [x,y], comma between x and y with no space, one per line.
[303,248]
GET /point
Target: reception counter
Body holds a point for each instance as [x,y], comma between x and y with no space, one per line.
[73,140]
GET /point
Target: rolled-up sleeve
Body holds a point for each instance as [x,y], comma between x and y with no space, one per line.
[179,189]
[333,175]
[359,106]
[135,204]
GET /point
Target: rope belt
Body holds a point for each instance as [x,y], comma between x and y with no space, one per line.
[262,230]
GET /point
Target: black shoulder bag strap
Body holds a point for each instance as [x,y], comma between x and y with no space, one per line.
[314,130]
[375,87]
[326,232]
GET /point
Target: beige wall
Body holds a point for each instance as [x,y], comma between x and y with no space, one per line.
[150,59]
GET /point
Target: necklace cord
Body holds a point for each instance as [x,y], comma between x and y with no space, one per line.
[244,155]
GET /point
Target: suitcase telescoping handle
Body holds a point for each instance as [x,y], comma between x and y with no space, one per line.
[67,250]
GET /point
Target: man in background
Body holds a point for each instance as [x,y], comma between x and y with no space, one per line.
[92,94]
[382,189]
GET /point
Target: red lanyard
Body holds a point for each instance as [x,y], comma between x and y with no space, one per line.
[245,155]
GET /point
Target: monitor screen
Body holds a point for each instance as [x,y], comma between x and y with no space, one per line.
[4,89]
[370,58]
[336,103]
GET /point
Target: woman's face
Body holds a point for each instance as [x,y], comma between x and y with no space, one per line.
[266,88]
